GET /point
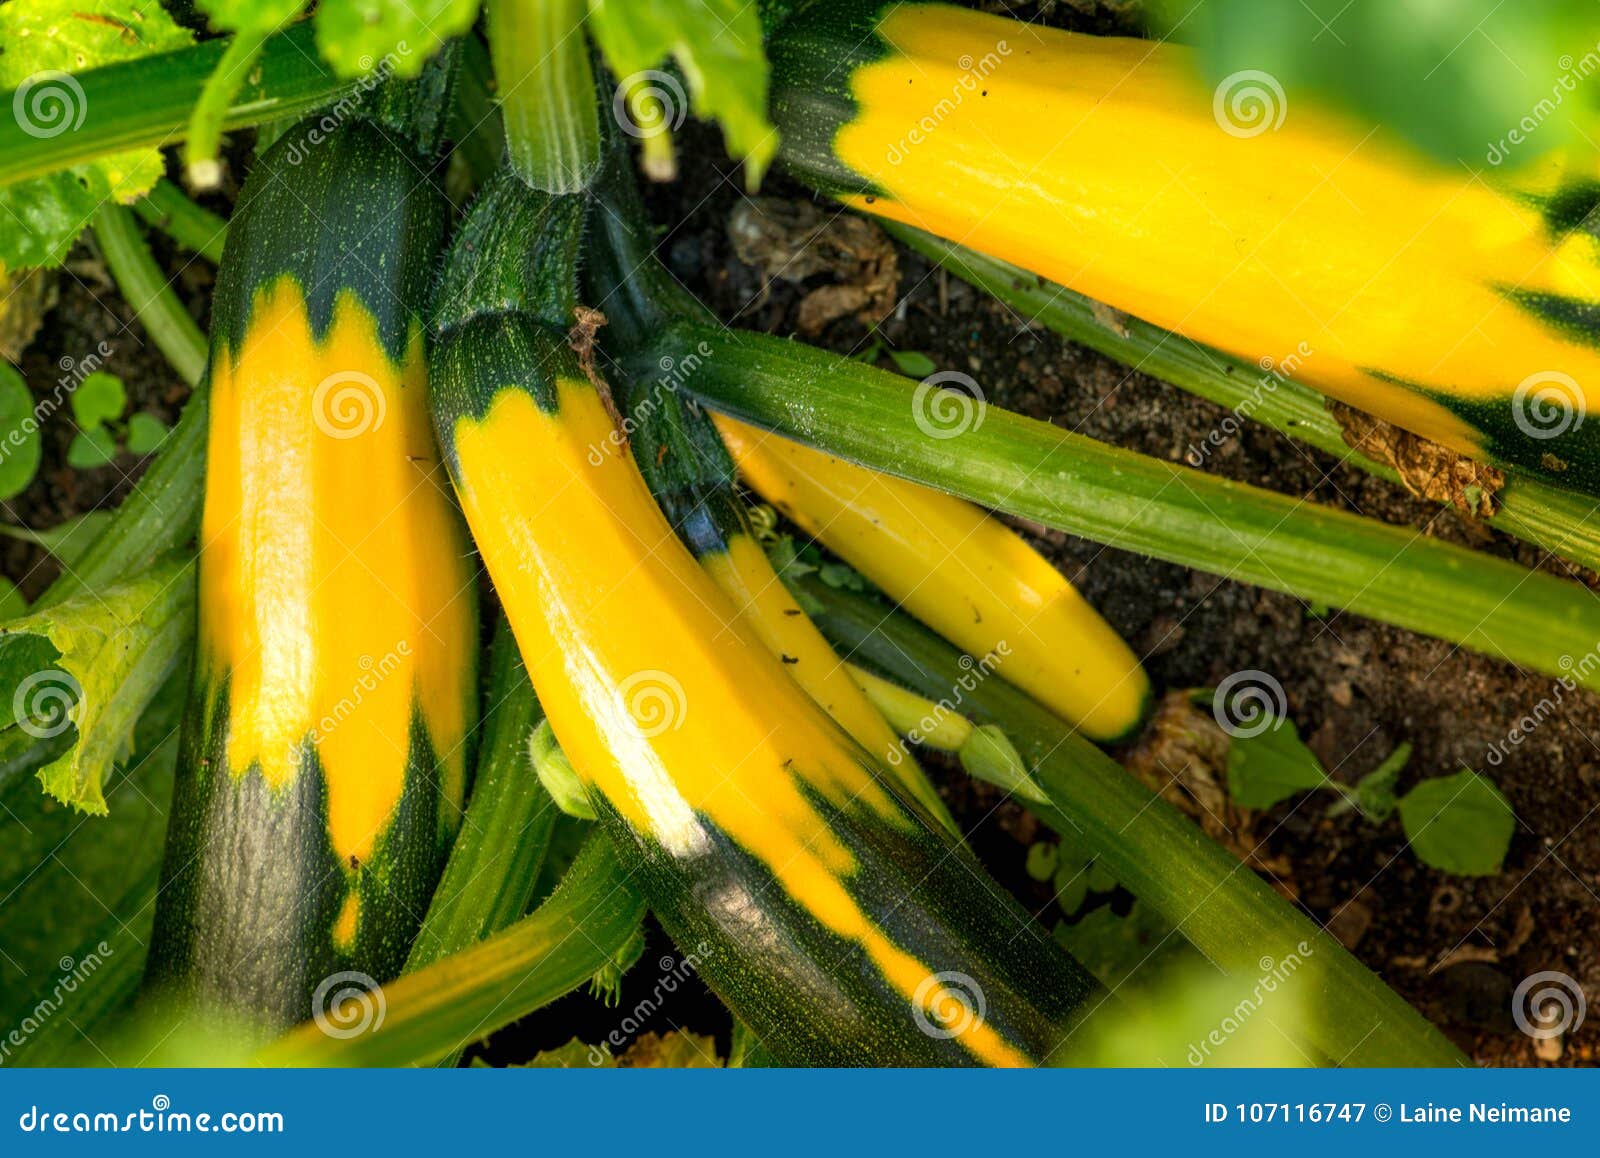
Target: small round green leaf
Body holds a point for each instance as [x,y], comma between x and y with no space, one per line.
[19,433]
[145,433]
[91,448]
[98,399]
[1459,823]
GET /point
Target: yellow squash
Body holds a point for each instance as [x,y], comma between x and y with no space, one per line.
[960,571]
[1240,216]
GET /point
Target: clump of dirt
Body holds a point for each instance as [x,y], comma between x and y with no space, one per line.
[794,241]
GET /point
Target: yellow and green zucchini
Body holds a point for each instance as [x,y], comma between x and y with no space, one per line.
[1459,307]
[831,915]
[325,742]
[682,458]
[713,526]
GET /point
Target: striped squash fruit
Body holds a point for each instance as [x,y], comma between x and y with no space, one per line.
[324,746]
[1452,303]
[835,920]
[682,458]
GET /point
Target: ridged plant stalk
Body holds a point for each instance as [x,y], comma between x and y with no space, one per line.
[203,141]
[1110,495]
[199,230]
[546,90]
[146,103]
[145,288]
[1560,521]
[505,832]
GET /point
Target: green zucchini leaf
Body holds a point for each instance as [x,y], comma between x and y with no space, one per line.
[358,37]
[575,1055]
[249,15]
[717,44]
[92,664]
[1194,1016]
[1042,859]
[78,905]
[12,601]
[1461,824]
[19,433]
[1116,949]
[22,654]
[1071,883]
[676,1049]
[146,433]
[91,448]
[912,363]
[46,42]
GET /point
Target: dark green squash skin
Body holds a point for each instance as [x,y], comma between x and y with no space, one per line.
[815,51]
[811,996]
[251,884]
